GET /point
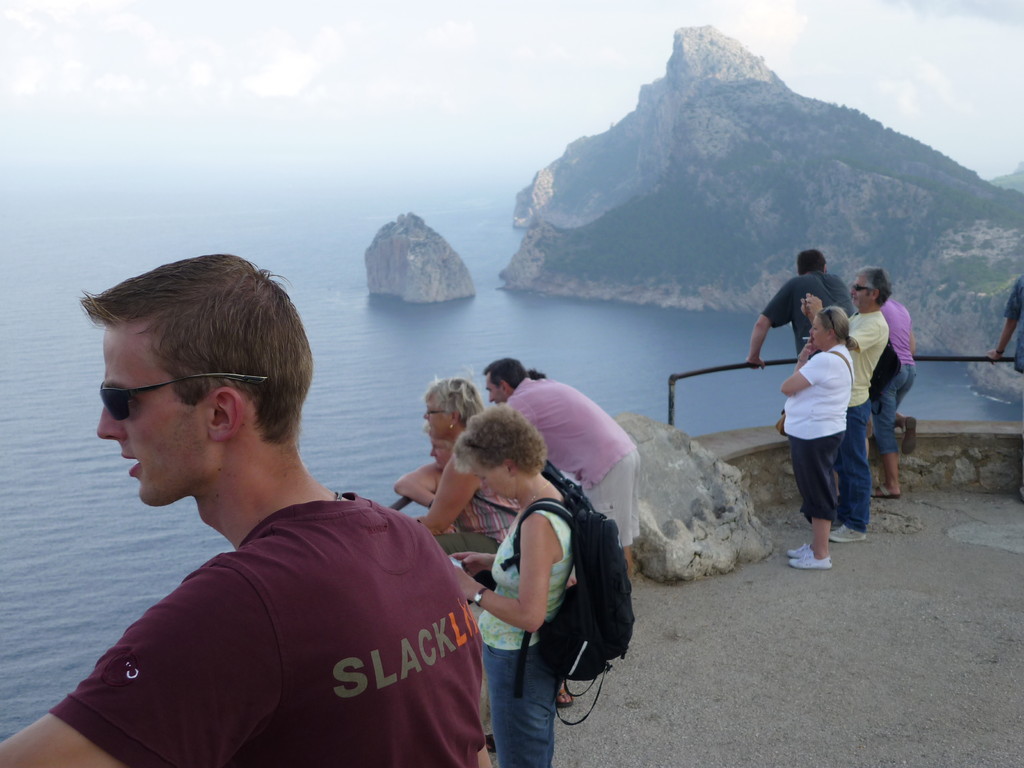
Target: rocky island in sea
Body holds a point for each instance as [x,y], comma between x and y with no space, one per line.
[702,196]
[410,260]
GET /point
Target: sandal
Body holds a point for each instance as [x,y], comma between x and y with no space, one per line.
[883,493]
[563,699]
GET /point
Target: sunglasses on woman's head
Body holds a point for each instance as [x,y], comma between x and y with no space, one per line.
[116,399]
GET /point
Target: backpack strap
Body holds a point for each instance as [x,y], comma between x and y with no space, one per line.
[541,505]
[833,352]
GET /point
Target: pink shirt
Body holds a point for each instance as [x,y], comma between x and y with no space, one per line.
[582,439]
[900,328]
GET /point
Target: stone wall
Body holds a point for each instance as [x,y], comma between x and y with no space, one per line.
[984,457]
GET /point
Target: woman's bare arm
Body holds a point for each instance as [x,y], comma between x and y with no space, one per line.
[454,492]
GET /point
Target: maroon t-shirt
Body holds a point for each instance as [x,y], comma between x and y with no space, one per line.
[336,635]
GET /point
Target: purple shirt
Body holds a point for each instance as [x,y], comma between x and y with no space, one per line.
[900,330]
[582,439]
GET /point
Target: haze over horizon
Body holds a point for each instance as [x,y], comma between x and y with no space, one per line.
[456,88]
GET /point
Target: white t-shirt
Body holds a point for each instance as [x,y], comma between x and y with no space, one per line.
[820,409]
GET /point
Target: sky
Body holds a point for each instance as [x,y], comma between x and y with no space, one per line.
[460,88]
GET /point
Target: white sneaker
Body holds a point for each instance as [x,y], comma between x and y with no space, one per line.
[811,563]
[842,535]
[803,551]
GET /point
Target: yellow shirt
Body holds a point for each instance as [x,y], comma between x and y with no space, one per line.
[871,332]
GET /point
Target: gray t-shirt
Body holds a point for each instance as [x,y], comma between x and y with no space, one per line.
[785,305]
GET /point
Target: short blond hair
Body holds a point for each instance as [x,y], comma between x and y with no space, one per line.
[456,395]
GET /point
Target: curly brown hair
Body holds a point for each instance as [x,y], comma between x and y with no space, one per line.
[498,434]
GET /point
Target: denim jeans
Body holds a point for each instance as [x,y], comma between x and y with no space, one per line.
[854,508]
[524,729]
[883,410]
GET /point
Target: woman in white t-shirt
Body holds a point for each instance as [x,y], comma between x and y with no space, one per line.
[819,394]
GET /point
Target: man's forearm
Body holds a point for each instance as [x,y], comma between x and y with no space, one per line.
[757,336]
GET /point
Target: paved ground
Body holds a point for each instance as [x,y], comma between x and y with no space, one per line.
[910,651]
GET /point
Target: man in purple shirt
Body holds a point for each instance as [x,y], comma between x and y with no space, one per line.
[883,411]
[582,441]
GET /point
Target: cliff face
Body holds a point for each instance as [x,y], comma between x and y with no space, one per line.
[410,260]
[598,173]
[703,195]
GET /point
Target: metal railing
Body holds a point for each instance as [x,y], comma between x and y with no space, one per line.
[792,361]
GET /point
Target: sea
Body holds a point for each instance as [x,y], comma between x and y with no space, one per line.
[81,556]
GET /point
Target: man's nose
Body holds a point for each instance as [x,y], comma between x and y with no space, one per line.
[109,428]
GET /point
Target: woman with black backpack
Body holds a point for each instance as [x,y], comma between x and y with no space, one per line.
[508,454]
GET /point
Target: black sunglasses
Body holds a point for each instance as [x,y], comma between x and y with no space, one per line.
[116,399]
[862,287]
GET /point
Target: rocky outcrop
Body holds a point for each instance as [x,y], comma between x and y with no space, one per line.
[410,260]
[598,173]
[696,519]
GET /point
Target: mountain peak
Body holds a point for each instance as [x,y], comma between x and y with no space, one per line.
[704,53]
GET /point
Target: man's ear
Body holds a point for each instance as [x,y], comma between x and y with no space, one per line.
[229,410]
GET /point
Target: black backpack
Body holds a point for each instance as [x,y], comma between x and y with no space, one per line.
[595,622]
[885,370]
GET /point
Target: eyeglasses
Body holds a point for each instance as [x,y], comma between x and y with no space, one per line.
[116,399]
[431,411]
[862,287]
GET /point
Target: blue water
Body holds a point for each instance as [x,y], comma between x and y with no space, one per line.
[81,556]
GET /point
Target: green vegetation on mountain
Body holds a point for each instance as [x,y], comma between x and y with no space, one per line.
[722,174]
[1013,181]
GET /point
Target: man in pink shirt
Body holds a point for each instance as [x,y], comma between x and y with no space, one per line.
[884,414]
[582,441]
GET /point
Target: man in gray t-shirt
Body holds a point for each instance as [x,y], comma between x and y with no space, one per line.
[813,278]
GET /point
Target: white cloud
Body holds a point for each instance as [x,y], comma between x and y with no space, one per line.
[926,84]
[452,36]
[935,80]
[999,11]
[23,19]
[63,11]
[612,55]
[200,74]
[114,83]
[401,70]
[550,52]
[27,76]
[769,28]
[288,73]
[903,94]
[292,68]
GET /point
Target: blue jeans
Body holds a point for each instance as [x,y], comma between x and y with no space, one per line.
[854,508]
[524,729]
[883,410]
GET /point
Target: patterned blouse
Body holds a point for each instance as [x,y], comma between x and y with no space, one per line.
[489,514]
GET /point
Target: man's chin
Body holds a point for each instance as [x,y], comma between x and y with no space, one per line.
[154,498]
